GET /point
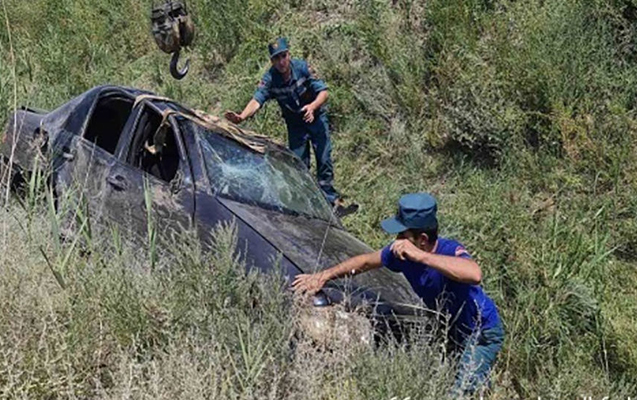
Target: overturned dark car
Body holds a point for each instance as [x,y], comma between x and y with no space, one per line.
[118,144]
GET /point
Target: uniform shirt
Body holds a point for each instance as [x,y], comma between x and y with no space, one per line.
[299,91]
[468,305]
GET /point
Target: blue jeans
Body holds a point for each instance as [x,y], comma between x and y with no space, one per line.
[479,352]
[300,135]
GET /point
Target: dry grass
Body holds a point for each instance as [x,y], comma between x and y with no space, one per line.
[197,327]
[519,117]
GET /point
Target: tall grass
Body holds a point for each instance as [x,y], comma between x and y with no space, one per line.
[191,325]
[519,116]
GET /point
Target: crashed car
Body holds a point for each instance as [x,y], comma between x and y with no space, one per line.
[117,145]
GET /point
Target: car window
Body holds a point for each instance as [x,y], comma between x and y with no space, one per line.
[274,180]
[107,121]
[154,147]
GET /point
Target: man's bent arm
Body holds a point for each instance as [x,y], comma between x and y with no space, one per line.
[312,283]
[321,98]
[459,269]
[309,109]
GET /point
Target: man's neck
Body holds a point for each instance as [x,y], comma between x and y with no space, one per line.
[287,75]
[431,248]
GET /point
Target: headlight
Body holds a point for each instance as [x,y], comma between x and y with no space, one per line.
[329,324]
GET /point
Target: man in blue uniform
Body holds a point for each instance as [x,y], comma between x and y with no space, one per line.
[443,274]
[302,97]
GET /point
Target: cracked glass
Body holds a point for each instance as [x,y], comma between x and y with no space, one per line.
[275,180]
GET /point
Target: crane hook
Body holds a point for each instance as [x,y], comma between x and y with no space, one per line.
[174,71]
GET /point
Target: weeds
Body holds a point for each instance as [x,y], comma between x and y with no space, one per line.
[519,116]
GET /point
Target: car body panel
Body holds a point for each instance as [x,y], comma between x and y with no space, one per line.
[81,175]
[129,192]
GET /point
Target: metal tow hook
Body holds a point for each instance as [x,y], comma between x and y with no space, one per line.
[174,70]
[173,29]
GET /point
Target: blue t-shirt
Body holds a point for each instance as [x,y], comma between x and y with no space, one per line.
[300,90]
[468,305]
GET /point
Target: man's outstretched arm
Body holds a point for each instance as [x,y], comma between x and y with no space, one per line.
[251,108]
[261,95]
[312,283]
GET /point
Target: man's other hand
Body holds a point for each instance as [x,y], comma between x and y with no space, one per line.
[308,283]
[403,249]
[308,113]
[233,117]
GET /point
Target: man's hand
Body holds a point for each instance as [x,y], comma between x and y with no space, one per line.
[308,283]
[233,117]
[403,249]
[308,113]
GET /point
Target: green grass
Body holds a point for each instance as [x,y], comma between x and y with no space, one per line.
[519,116]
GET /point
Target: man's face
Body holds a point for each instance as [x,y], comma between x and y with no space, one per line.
[418,241]
[281,62]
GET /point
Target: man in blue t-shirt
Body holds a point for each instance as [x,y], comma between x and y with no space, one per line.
[442,272]
[302,97]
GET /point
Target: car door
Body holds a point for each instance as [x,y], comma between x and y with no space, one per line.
[88,155]
[150,197]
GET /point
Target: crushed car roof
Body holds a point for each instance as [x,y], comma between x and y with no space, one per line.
[169,107]
[248,138]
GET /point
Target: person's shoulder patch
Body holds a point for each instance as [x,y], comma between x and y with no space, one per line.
[312,71]
[461,251]
[266,80]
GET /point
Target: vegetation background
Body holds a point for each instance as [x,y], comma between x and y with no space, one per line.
[519,116]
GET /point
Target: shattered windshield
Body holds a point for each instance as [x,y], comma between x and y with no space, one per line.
[274,180]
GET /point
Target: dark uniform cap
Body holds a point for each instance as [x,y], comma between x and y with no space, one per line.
[278,46]
[415,211]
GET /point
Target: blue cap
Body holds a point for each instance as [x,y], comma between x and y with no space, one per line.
[278,46]
[415,211]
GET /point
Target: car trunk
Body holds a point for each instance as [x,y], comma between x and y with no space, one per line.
[23,138]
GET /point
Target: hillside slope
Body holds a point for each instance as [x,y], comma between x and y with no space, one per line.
[519,116]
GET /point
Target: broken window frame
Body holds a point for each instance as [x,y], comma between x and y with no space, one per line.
[92,115]
[183,176]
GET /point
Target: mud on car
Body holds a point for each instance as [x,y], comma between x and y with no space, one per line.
[113,146]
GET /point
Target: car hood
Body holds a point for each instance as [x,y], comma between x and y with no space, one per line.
[314,245]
